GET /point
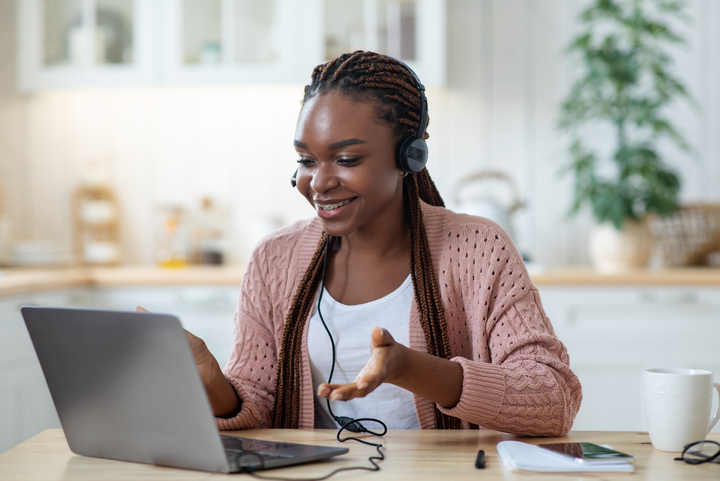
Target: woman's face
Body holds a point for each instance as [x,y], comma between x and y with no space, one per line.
[347,164]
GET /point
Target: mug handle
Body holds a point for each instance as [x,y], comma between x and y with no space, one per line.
[716,416]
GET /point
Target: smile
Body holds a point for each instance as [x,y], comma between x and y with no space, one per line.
[333,206]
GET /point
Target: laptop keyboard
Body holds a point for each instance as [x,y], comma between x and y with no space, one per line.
[251,453]
[268,448]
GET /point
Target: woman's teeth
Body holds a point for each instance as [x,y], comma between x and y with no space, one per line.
[333,206]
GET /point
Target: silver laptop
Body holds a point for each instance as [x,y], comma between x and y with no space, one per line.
[126,387]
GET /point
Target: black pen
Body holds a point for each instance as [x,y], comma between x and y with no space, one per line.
[480,460]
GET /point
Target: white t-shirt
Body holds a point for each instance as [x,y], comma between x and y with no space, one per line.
[350,327]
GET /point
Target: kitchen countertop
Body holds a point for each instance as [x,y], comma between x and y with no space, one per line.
[20,281]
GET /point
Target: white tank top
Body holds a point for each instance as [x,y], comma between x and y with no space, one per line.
[350,327]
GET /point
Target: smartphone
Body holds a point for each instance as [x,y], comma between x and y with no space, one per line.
[588,453]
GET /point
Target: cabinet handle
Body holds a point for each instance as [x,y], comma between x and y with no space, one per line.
[201,297]
[669,297]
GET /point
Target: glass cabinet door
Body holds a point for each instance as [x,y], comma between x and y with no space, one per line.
[383,26]
[232,32]
[82,33]
[202,32]
[57,17]
[410,30]
[238,40]
[114,32]
[83,42]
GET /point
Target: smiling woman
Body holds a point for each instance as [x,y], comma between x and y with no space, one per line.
[463,339]
[353,183]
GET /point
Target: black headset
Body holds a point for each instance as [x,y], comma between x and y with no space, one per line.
[411,153]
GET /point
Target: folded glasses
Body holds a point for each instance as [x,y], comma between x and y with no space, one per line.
[699,452]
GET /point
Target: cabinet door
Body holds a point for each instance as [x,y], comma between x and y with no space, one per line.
[234,41]
[206,311]
[413,31]
[613,333]
[26,407]
[72,43]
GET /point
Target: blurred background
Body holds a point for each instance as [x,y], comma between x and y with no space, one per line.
[142,140]
[185,109]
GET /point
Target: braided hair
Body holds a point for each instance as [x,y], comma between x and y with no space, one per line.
[369,77]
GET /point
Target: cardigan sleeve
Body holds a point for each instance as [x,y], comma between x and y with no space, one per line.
[251,367]
[517,379]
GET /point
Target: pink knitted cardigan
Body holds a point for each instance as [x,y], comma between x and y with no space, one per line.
[516,374]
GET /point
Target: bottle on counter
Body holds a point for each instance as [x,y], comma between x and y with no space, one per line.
[209,234]
[172,238]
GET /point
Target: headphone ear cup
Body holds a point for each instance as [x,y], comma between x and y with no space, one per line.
[411,155]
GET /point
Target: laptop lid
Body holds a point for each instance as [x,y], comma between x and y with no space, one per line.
[126,387]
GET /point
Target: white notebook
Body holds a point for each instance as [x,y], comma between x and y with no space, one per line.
[517,456]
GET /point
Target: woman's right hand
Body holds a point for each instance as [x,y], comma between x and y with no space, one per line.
[223,399]
[207,365]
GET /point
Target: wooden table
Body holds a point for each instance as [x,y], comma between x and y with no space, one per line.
[411,454]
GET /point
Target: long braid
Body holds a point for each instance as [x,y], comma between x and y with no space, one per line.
[381,79]
[427,294]
[287,380]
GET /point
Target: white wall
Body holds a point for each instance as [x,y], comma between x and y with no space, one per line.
[506,78]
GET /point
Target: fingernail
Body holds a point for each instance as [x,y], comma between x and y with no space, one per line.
[336,397]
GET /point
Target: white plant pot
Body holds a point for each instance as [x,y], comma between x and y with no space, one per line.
[613,251]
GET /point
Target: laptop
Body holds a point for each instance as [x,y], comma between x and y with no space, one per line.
[126,387]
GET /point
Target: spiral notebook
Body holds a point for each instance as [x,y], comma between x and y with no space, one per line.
[524,457]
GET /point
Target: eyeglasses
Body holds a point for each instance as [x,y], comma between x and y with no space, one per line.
[701,452]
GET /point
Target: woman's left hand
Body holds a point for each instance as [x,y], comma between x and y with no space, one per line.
[384,365]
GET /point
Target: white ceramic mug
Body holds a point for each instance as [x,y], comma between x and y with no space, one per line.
[678,405]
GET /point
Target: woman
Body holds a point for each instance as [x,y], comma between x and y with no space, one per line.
[474,347]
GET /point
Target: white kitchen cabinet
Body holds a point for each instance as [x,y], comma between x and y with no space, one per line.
[236,41]
[82,43]
[614,333]
[228,41]
[413,31]
[26,407]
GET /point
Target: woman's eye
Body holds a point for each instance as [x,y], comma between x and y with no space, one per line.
[304,161]
[349,161]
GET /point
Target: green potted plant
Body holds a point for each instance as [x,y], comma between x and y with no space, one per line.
[626,84]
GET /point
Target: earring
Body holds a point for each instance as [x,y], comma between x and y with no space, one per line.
[403,174]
